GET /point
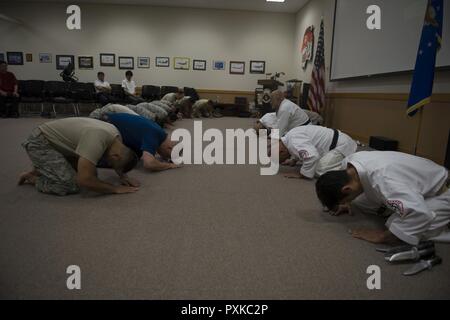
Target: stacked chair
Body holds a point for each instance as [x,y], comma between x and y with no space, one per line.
[60,93]
[32,92]
[117,93]
[82,93]
[57,93]
[168,89]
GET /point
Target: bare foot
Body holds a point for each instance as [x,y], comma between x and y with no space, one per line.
[27,178]
[293,176]
[373,236]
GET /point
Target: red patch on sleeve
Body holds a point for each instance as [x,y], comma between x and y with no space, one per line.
[303,154]
[397,206]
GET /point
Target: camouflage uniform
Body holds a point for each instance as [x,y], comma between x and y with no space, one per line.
[170,97]
[56,174]
[184,106]
[166,105]
[160,113]
[202,108]
[143,112]
[117,108]
[110,108]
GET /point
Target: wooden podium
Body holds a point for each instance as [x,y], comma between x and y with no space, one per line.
[270,84]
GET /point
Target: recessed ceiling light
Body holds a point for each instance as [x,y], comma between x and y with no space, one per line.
[275,0]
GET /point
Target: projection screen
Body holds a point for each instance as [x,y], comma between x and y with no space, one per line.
[358,51]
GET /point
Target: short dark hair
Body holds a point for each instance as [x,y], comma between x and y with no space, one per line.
[100,72]
[131,161]
[2,62]
[128,73]
[329,188]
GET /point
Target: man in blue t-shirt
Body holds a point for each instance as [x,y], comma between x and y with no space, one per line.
[146,138]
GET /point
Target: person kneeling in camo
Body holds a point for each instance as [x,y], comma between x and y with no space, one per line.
[65,154]
[205,108]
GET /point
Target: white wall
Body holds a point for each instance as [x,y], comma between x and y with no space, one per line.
[311,14]
[151,31]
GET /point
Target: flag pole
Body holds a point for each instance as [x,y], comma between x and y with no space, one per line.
[419,131]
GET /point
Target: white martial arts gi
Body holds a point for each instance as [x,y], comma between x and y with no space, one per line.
[101,84]
[290,116]
[129,86]
[412,188]
[269,120]
[311,145]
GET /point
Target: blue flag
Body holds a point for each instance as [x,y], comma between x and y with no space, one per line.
[430,43]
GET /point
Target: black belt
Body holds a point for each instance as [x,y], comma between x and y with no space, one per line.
[335,139]
[306,123]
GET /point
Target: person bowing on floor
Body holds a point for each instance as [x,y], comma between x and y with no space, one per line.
[269,120]
[412,191]
[319,150]
[146,138]
[65,154]
[288,114]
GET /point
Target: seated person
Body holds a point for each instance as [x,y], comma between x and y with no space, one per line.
[289,115]
[129,88]
[9,95]
[65,154]
[414,192]
[103,89]
[146,138]
[319,149]
[205,108]
[173,97]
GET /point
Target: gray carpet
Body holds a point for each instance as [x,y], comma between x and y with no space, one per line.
[199,232]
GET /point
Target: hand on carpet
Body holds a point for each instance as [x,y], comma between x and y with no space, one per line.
[130,182]
[293,176]
[174,166]
[125,189]
[341,210]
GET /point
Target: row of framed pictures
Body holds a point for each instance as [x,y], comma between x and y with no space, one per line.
[127,63]
[16,58]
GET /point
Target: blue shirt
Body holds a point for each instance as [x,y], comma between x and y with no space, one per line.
[138,133]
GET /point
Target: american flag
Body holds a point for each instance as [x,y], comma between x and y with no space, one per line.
[316,95]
